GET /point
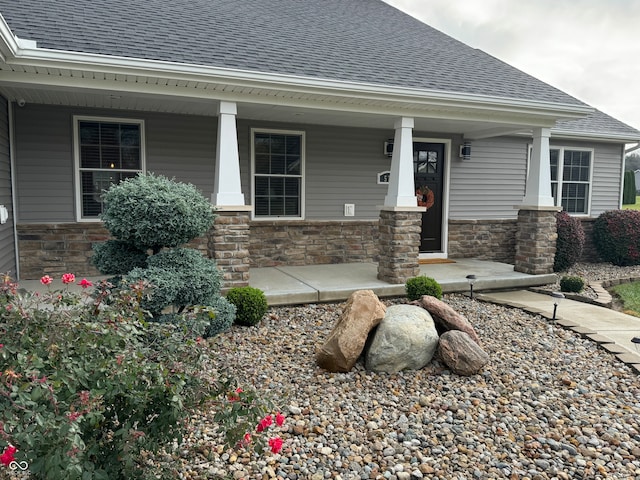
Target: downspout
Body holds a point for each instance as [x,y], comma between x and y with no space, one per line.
[12,160]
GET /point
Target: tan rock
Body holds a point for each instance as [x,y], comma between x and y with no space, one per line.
[362,312]
[461,354]
[447,317]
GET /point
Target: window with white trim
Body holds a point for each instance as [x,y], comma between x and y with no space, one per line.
[571,170]
[108,151]
[278,173]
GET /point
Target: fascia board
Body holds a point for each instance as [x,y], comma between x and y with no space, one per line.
[123,65]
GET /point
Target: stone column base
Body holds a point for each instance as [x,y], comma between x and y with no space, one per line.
[536,240]
[229,247]
[399,244]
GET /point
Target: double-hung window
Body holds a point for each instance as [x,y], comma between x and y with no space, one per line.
[571,171]
[278,173]
[107,151]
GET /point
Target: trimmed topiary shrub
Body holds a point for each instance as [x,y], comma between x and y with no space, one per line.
[416,287]
[570,241]
[616,236]
[115,257]
[178,277]
[251,305]
[224,316]
[152,212]
[572,284]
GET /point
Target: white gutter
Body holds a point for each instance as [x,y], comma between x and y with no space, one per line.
[610,137]
[632,148]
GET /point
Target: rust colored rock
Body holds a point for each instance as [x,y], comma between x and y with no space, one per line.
[461,354]
[362,313]
[447,317]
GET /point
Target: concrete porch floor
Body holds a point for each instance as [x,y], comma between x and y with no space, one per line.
[335,282]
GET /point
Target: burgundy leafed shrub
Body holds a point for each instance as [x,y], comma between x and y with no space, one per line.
[570,241]
[616,236]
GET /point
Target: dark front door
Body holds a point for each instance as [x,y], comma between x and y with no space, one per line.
[428,168]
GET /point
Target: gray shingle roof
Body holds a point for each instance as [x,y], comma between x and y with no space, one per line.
[363,41]
[598,123]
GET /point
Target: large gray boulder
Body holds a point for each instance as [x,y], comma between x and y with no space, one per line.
[406,339]
[362,312]
[461,353]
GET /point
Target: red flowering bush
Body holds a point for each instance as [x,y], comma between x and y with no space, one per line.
[86,383]
[616,236]
[570,242]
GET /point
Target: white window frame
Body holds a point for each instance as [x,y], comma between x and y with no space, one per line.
[76,156]
[302,135]
[560,180]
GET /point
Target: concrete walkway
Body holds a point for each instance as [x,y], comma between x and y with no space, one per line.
[330,283]
[611,329]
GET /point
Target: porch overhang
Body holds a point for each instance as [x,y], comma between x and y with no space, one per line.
[45,76]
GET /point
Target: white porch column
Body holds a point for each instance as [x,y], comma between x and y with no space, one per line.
[538,187]
[227,190]
[401,191]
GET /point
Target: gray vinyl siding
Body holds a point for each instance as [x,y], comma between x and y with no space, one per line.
[176,146]
[44,164]
[492,183]
[340,167]
[7,238]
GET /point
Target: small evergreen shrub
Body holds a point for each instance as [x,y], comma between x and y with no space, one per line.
[629,188]
[570,241]
[251,305]
[416,287]
[152,212]
[572,284]
[616,236]
[115,257]
[220,315]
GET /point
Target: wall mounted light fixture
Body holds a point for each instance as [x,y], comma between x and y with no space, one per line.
[465,151]
[388,147]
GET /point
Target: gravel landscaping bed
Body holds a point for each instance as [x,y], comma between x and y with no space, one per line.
[550,405]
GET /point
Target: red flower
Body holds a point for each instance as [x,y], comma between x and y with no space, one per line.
[68,278]
[264,423]
[84,283]
[247,438]
[234,397]
[46,280]
[8,455]
[275,444]
[73,416]
[279,419]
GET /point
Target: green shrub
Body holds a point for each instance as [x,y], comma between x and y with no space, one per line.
[629,188]
[152,212]
[570,241]
[224,316]
[616,236]
[179,277]
[115,257]
[86,387]
[416,287]
[573,284]
[251,305]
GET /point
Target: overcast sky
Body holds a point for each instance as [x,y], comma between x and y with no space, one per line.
[588,48]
